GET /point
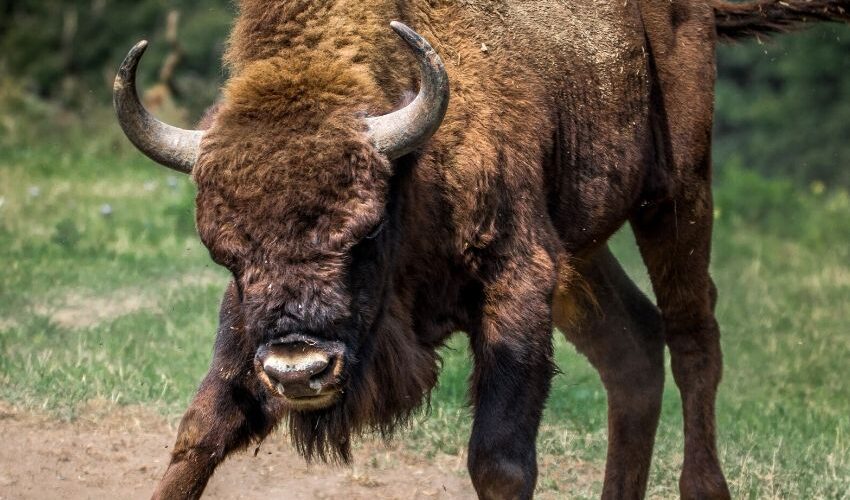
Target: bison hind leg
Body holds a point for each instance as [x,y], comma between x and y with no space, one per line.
[613,324]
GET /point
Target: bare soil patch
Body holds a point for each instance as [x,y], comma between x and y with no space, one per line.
[122,452]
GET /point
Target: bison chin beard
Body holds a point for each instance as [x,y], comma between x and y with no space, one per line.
[393,377]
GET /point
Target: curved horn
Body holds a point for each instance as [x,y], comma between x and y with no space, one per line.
[172,147]
[402,131]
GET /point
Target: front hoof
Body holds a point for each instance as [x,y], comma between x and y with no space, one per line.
[495,478]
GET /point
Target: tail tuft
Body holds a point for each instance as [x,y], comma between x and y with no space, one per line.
[736,21]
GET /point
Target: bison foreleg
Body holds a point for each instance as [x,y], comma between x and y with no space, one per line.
[228,412]
[510,383]
[222,418]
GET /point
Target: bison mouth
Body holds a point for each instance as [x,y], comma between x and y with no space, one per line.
[304,371]
[310,403]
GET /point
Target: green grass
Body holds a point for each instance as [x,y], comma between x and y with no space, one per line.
[122,305]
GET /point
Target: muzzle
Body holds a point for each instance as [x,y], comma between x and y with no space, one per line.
[303,370]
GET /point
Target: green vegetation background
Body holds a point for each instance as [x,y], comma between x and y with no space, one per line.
[105,291]
[783,105]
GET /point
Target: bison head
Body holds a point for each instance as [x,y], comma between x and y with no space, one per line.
[298,197]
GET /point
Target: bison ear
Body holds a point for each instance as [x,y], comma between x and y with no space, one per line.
[401,132]
[172,147]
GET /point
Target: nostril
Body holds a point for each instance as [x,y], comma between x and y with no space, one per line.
[328,373]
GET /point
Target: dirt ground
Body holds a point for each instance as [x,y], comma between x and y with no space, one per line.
[122,452]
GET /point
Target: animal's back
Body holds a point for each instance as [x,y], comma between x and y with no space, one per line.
[572,87]
[562,39]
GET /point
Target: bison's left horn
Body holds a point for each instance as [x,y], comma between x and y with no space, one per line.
[169,146]
[402,131]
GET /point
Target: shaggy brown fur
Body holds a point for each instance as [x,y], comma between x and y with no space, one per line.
[567,119]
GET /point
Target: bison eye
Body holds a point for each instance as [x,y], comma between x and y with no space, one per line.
[377,230]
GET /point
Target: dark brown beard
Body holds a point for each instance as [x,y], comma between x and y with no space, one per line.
[383,393]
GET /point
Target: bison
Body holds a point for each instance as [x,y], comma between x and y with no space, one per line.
[363,224]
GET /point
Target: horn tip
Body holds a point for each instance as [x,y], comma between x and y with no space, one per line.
[410,37]
[142,45]
[400,28]
[138,49]
[127,70]
[135,54]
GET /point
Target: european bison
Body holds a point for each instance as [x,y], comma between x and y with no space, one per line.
[360,237]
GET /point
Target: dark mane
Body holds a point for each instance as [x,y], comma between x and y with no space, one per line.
[394,380]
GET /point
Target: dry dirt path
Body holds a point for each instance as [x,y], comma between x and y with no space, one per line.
[120,453]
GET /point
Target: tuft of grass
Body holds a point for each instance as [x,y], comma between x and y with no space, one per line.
[107,293]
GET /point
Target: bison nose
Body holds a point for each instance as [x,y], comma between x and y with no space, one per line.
[300,369]
[295,376]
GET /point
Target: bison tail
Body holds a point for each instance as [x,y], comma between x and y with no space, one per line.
[736,21]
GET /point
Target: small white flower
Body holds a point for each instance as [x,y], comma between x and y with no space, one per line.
[171,181]
[106,210]
[34,191]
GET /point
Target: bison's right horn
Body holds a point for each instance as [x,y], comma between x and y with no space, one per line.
[402,131]
[169,146]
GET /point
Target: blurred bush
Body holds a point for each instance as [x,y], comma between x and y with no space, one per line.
[68,50]
[815,217]
[783,105]
[30,125]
